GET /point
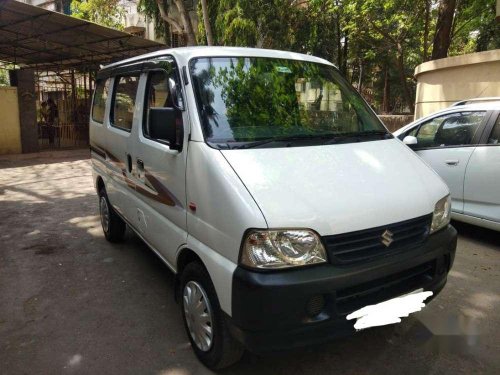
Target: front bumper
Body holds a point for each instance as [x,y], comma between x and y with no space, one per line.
[271,310]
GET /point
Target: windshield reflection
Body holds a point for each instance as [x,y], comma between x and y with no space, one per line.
[249,99]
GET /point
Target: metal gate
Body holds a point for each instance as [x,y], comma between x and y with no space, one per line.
[63,105]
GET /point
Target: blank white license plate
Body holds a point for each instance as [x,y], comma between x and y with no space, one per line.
[390,311]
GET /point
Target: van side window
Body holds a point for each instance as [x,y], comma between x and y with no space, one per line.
[157,96]
[100,97]
[122,109]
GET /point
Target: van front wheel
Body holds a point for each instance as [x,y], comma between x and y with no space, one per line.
[203,320]
[112,225]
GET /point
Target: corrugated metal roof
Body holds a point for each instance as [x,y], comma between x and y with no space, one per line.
[32,36]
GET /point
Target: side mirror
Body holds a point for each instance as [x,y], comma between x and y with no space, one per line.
[410,140]
[165,124]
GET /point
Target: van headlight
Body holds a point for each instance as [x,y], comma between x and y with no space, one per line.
[267,249]
[442,214]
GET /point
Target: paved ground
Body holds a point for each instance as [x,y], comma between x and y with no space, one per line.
[72,303]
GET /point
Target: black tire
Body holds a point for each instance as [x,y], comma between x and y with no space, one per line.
[225,350]
[115,230]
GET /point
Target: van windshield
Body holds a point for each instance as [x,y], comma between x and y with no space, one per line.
[249,102]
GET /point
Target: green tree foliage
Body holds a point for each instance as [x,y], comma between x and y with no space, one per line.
[474,27]
[393,38]
[104,12]
[375,43]
[4,77]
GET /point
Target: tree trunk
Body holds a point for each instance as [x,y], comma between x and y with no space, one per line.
[186,21]
[343,68]
[425,56]
[163,14]
[206,23]
[387,92]
[360,77]
[339,41]
[442,38]
[402,78]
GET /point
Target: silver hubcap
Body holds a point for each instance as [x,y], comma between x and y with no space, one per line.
[104,210]
[198,315]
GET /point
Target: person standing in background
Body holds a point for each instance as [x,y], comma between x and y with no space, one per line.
[53,115]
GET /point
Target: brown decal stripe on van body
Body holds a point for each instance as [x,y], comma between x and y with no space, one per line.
[121,165]
[163,194]
[99,151]
[159,192]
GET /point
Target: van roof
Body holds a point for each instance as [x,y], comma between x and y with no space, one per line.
[186,53]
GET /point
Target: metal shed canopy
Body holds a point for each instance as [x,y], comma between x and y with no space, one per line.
[35,37]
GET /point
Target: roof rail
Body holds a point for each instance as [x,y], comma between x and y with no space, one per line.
[476,100]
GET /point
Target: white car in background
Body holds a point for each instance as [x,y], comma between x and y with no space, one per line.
[462,144]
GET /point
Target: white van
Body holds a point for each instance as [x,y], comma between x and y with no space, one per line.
[270,188]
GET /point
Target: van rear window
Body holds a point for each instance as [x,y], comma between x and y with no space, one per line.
[100,97]
[122,109]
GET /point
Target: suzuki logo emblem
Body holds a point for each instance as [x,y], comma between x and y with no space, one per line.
[386,237]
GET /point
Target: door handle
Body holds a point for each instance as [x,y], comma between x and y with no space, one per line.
[451,162]
[140,168]
[140,165]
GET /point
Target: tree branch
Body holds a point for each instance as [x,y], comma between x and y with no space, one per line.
[382,32]
[167,18]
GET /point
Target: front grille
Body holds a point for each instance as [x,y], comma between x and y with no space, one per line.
[355,297]
[367,244]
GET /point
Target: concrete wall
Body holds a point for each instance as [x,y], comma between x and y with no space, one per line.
[445,81]
[394,122]
[10,130]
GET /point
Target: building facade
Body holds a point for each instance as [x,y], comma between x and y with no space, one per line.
[134,22]
[60,6]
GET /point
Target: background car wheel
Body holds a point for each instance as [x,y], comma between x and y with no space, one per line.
[203,320]
[112,225]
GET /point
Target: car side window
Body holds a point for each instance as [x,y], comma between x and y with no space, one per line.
[494,138]
[122,108]
[100,97]
[426,132]
[413,132]
[459,130]
[456,129]
[157,96]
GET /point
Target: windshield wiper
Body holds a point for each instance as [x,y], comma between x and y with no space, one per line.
[328,138]
[358,135]
[362,133]
[290,138]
